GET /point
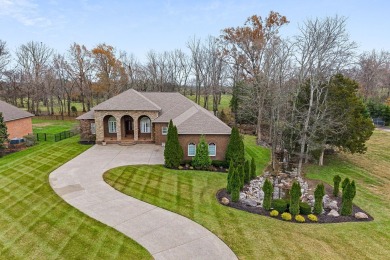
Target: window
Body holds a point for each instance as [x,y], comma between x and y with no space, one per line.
[164,130]
[93,128]
[145,124]
[191,149]
[212,149]
[112,125]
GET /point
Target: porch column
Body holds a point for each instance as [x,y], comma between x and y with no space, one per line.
[99,126]
[135,128]
[118,129]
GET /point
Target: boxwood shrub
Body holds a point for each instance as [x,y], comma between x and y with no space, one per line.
[279,205]
[304,208]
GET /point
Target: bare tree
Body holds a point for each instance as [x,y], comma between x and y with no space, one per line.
[323,49]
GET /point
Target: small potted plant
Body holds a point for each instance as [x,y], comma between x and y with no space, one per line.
[104,142]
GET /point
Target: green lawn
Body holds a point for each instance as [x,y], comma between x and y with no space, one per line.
[192,194]
[225,101]
[35,223]
[52,126]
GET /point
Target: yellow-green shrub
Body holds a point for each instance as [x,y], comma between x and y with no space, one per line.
[286,216]
[274,213]
[312,217]
[299,218]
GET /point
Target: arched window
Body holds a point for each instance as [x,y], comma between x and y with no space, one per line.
[212,149]
[145,124]
[191,149]
[112,125]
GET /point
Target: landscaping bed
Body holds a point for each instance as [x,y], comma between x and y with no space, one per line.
[322,218]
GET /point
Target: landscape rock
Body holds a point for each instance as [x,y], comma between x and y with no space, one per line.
[333,205]
[361,215]
[242,196]
[225,201]
[333,213]
[250,202]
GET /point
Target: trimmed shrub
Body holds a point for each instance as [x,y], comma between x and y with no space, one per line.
[3,133]
[218,163]
[349,193]
[235,186]
[299,218]
[229,178]
[247,173]
[304,208]
[344,183]
[235,149]
[336,185]
[202,159]
[295,194]
[312,218]
[279,205]
[318,195]
[268,189]
[286,216]
[253,169]
[274,213]
[173,153]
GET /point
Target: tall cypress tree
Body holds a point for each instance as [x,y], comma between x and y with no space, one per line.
[247,172]
[235,150]
[173,153]
[295,193]
[235,185]
[229,178]
[253,169]
[3,133]
[202,159]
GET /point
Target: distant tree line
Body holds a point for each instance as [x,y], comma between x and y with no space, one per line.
[303,94]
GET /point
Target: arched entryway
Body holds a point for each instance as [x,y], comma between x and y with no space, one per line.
[110,127]
[127,125]
[145,128]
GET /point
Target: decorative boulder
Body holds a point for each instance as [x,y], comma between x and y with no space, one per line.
[225,201]
[333,205]
[242,196]
[250,202]
[361,215]
[333,213]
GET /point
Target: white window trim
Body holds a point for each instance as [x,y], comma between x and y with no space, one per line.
[188,149]
[111,126]
[164,130]
[93,128]
[215,149]
[145,123]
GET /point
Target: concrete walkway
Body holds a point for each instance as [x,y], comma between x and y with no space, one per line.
[164,234]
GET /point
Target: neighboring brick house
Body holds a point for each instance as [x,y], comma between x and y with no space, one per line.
[18,121]
[135,117]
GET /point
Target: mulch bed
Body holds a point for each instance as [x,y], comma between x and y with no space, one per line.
[322,219]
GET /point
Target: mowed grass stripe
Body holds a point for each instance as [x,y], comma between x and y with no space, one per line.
[192,194]
[35,223]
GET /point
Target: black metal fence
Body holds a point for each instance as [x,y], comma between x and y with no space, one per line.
[55,137]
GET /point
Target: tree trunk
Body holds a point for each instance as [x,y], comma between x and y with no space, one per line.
[321,159]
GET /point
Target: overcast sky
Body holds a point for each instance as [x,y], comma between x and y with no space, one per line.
[141,25]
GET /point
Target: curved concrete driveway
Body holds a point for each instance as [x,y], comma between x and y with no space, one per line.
[164,234]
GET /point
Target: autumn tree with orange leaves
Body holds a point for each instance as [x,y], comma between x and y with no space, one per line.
[112,77]
[247,47]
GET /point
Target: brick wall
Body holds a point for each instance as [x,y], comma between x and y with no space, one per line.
[19,128]
[158,136]
[85,130]
[221,142]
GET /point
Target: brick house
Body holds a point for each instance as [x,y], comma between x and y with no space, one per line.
[143,117]
[18,121]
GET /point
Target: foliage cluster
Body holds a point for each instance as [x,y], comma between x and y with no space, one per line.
[268,189]
[319,193]
[201,159]
[336,185]
[173,153]
[299,218]
[295,194]
[349,192]
[286,216]
[304,208]
[274,213]
[312,218]
[279,205]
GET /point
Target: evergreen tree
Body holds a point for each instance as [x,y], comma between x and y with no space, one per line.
[268,190]
[349,193]
[235,185]
[318,195]
[202,159]
[241,173]
[295,194]
[3,133]
[344,183]
[235,150]
[336,185]
[247,172]
[253,169]
[173,153]
[229,178]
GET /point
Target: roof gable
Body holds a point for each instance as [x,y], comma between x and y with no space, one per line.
[128,100]
[11,112]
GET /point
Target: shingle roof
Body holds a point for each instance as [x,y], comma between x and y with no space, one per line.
[128,100]
[189,117]
[11,112]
